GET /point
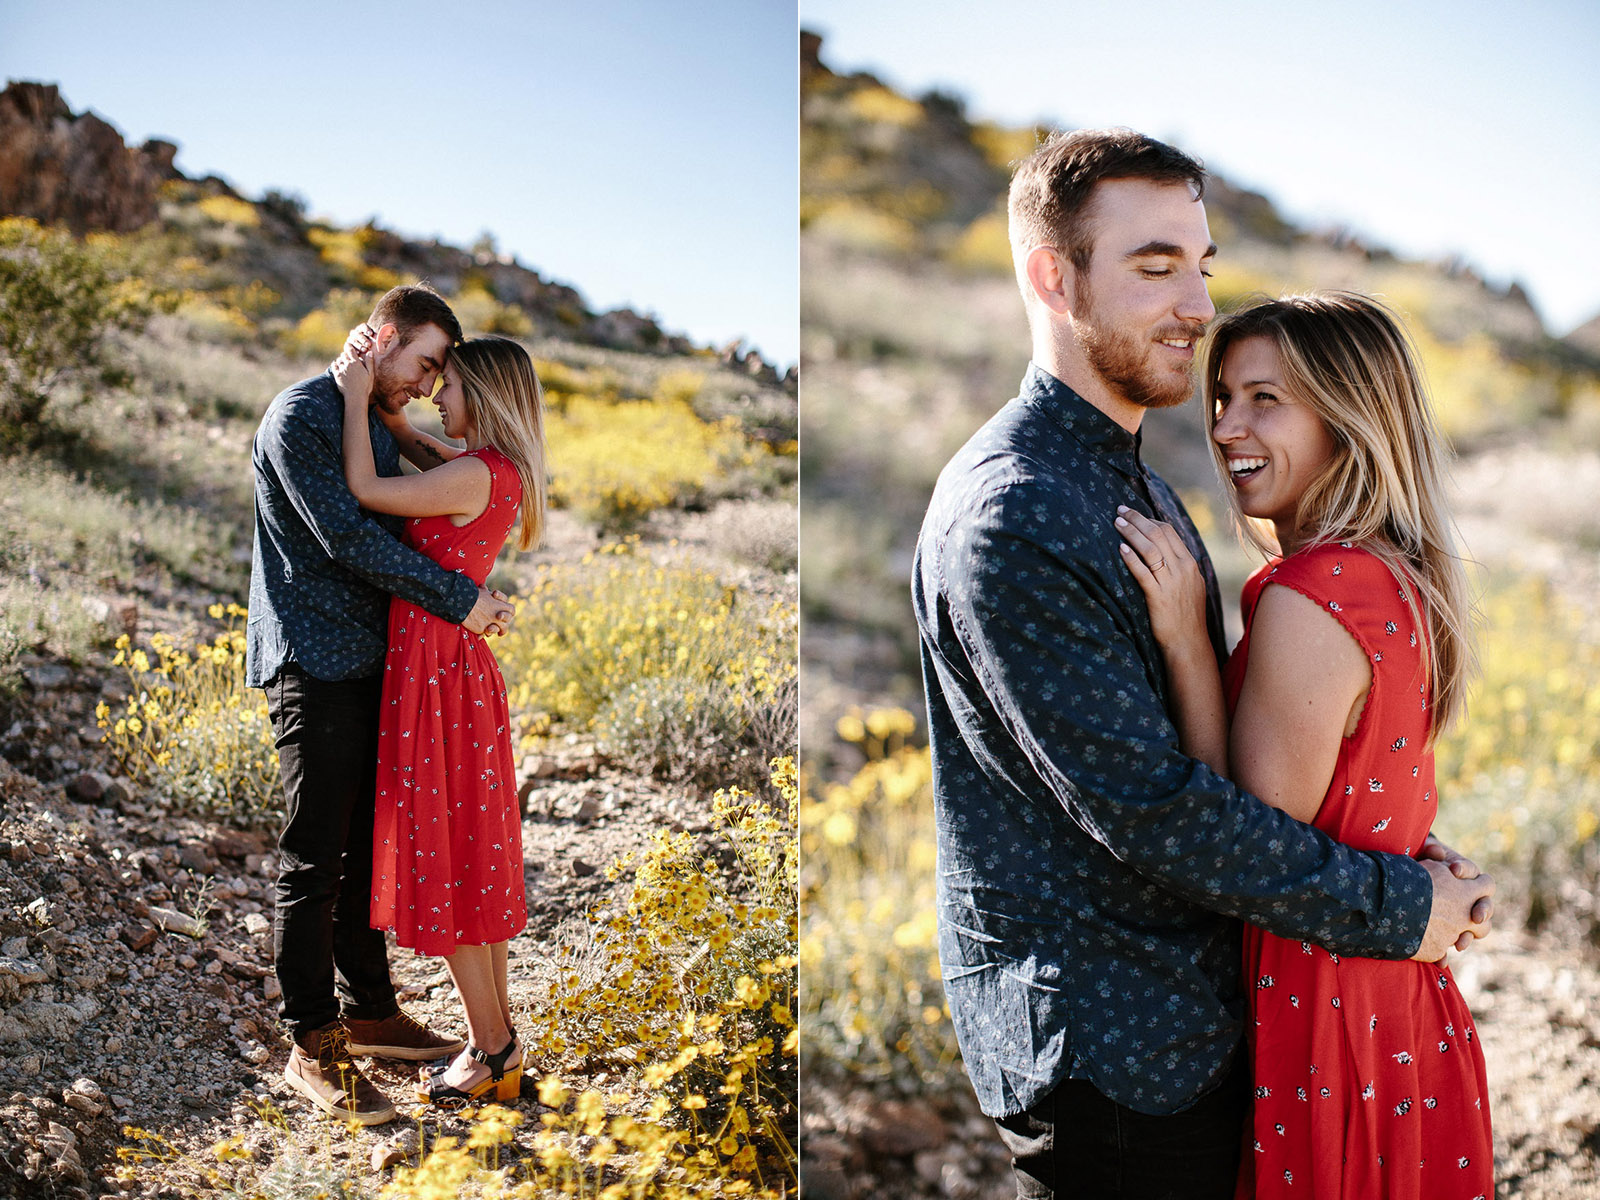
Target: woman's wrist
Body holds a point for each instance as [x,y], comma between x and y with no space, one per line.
[1193,652]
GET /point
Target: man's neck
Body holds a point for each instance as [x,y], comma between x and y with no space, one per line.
[1071,367]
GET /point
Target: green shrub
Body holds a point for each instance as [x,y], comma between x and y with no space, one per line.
[10,671]
[59,300]
[671,727]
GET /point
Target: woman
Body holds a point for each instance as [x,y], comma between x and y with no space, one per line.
[447,850]
[1369,1078]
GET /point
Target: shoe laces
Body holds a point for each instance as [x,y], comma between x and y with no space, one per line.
[335,1050]
[409,1022]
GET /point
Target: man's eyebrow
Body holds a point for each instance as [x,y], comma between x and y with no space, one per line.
[1166,250]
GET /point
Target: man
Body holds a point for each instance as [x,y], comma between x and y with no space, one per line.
[321,575]
[1090,876]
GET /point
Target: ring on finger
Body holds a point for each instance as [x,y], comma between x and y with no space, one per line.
[1158,566]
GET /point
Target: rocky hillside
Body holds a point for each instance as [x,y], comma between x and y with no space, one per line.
[919,177]
[137,998]
[73,169]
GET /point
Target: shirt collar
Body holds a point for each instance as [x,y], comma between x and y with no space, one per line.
[1081,420]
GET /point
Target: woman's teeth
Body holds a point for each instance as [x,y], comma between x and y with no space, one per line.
[1239,468]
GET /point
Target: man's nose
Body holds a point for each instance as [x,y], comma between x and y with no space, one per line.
[1195,303]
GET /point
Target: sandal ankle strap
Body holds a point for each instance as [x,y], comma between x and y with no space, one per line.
[495,1062]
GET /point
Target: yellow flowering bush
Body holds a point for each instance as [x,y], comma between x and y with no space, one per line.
[229,210]
[192,728]
[320,334]
[478,311]
[1522,770]
[684,996]
[345,250]
[688,990]
[615,462]
[676,671]
[873,1004]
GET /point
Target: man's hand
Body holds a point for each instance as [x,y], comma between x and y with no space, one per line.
[1462,909]
[1460,865]
[491,615]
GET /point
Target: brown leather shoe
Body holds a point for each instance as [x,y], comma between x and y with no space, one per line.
[320,1069]
[399,1036]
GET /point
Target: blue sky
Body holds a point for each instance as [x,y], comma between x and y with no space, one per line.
[646,153]
[1433,128]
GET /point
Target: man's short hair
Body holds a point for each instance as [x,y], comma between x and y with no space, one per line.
[1051,189]
[411,306]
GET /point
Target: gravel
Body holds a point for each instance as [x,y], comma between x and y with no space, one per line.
[136,982]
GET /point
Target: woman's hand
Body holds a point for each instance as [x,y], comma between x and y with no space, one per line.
[1175,592]
[353,374]
[353,369]
[360,340]
[1174,588]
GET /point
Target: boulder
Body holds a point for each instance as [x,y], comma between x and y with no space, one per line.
[63,168]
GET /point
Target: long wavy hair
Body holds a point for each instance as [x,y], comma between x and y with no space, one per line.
[1348,358]
[505,402]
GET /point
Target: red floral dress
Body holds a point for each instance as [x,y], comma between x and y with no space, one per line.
[1369,1079]
[447,845]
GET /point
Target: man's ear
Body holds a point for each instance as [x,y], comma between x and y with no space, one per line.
[1050,277]
[386,334]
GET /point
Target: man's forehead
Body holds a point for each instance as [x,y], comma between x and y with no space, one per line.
[431,342]
[1140,212]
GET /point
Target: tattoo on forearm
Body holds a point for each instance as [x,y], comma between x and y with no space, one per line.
[430,450]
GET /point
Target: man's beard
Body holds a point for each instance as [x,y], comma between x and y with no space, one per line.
[386,393]
[1122,360]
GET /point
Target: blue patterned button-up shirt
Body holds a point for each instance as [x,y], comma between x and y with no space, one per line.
[1090,876]
[323,568]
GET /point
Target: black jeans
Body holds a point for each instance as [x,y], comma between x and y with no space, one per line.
[322,937]
[1076,1143]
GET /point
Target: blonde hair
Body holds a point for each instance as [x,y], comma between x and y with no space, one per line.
[505,402]
[1348,359]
